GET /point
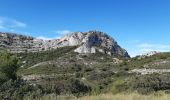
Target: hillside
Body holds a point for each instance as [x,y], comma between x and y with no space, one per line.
[63,72]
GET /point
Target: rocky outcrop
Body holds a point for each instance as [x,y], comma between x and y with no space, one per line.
[149,71]
[147,54]
[16,43]
[87,42]
[95,41]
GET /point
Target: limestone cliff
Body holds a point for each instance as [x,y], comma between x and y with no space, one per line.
[87,42]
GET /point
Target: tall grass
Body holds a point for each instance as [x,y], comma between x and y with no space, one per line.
[133,96]
[120,96]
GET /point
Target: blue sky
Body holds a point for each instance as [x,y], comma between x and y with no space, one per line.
[139,26]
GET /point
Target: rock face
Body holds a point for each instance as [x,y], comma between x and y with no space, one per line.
[147,54]
[87,42]
[95,41]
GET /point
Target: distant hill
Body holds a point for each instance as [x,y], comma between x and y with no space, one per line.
[86,42]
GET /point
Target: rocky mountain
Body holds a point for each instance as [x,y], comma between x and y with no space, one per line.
[86,42]
[147,54]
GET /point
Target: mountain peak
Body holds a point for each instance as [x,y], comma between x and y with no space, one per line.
[86,42]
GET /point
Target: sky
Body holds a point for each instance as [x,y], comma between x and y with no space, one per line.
[139,26]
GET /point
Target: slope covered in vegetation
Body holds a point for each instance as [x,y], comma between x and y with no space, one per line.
[61,72]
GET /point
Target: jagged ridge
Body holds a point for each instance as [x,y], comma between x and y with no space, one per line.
[87,42]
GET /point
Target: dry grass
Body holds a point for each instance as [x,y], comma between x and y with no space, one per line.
[133,96]
[122,96]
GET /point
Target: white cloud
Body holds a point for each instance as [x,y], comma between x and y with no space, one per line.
[133,41]
[57,35]
[12,30]
[47,38]
[63,32]
[44,38]
[8,23]
[1,21]
[139,48]
[2,27]
[19,24]
[133,53]
[147,47]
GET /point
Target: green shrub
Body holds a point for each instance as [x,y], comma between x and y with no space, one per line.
[78,88]
[149,83]
[119,86]
[9,65]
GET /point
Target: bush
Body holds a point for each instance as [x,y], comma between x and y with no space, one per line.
[78,88]
[9,65]
[59,88]
[119,86]
[149,83]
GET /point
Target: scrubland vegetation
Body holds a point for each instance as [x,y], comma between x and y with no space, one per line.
[69,76]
